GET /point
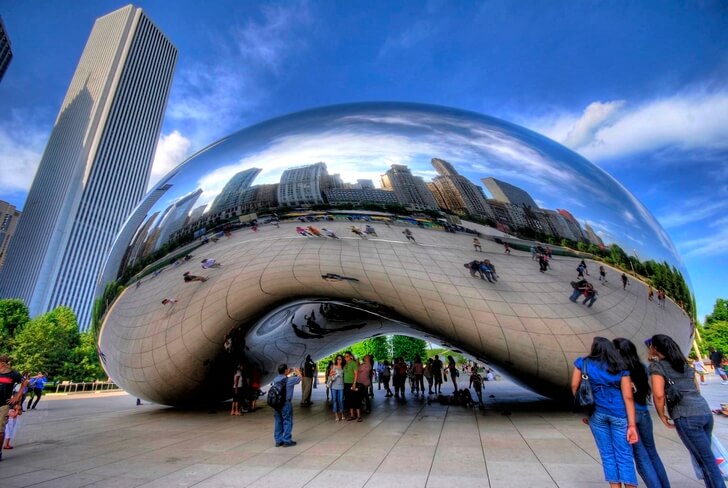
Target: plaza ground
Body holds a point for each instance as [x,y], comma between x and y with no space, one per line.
[520,440]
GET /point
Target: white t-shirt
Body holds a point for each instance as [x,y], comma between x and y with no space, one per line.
[699,366]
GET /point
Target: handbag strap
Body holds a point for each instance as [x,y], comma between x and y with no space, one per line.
[585,370]
[668,380]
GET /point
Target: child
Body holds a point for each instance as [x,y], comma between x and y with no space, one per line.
[237,392]
[12,426]
[476,382]
[699,369]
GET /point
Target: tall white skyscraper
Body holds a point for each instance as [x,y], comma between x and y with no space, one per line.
[95,167]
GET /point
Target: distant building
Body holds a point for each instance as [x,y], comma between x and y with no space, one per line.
[356,196]
[95,166]
[365,184]
[259,197]
[505,192]
[6,52]
[508,214]
[175,217]
[573,225]
[411,191]
[303,185]
[9,216]
[229,197]
[455,193]
[559,225]
[592,236]
[197,213]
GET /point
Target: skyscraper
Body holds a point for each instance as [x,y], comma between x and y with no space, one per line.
[505,192]
[303,185]
[411,190]
[455,193]
[230,196]
[6,53]
[9,216]
[95,167]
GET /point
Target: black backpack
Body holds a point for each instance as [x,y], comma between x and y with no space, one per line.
[277,394]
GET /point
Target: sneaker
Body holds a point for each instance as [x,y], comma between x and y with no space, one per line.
[724,382]
[279,444]
[289,444]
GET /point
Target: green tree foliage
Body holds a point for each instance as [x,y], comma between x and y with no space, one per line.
[13,316]
[408,347]
[101,304]
[378,347]
[83,363]
[715,331]
[46,343]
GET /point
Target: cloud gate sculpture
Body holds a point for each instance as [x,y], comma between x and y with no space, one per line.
[309,232]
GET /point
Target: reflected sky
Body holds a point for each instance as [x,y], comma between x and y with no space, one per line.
[361,141]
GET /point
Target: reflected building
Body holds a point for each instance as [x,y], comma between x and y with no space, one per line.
[95,167]
[9,216]
[411,190]
[231,194]
[455,193]
[6,51]
[175,217]
[505,192]
[303,185]
[592,236]
[283,293]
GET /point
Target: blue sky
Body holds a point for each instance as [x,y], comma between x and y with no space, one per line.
[639,88]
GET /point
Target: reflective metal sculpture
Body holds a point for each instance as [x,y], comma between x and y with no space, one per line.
[306,233]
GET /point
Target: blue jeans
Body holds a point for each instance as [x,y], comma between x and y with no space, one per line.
[575,294]
[591,299]
[337,400]
[610,434]
[695,432]
[648,462]
[284,423]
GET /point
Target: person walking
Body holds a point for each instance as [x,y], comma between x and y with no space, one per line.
[689,414]
[309,368]
[400,379]
[335,383]
[476,244]
[476,382]
[699,368]
[36,386]
[363,382]
[9,378]
[284,417]
[716,358]
[649,464]
[625,281]
[613,420]
[428,375]
[386,375]
[327,375]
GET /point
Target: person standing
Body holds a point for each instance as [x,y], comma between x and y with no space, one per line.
[476,382]
[699,369]
[625,281]
[363,380]
[329,366]
[309,368]
[649,464]
[437,374]
[428,375]
[476,244]
[690,415]
[418,369]
[385,376]
[335,383]
[8,379]
[238,390]
[351,371]
[716,358]
[613,420]
[284,417]
[454,373]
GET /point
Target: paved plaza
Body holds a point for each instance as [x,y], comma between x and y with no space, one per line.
[521,440]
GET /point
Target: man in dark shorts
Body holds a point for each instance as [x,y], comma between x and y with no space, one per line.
[8,379]
[437,374]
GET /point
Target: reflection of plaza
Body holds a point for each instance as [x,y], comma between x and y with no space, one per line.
[523,322]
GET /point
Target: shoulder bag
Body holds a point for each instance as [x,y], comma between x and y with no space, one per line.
[584,398]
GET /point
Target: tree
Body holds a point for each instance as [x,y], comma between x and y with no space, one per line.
[715,331]
[83,364]
[378,347]
[720,312]
[46,343]
[408,347]
[13,316]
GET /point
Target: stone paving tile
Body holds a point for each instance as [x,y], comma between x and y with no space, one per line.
[32,478]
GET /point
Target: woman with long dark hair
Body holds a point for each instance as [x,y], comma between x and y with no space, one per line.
[335,383]
[613,420]
[691,415]
[649,464]
[452,369]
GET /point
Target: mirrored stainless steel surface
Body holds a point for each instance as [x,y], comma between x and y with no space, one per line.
[270,226]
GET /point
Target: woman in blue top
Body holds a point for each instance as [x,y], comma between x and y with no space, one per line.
[691,415]
[649,464]
[613,421]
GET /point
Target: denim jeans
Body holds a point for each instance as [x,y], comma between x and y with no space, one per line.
[284,423]
[575,294]
[591,299]
[695,432]
[610,434]
[337,400]
[649,465]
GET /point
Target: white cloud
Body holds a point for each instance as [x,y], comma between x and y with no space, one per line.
[696,209]
[172,149]
[418,32]
[609,130]
[595,116]
[21,147]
